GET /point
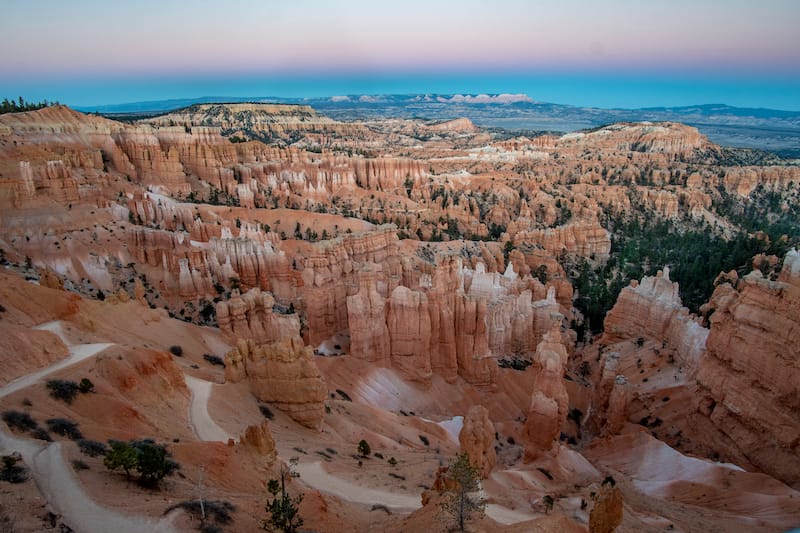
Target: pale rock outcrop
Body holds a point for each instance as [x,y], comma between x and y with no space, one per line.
[549,402]
[283,374]
[259,437]
[653,309]
[606,514]
[477,439]
[251,316]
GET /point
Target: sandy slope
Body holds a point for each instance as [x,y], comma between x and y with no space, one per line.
[53,477]
[77,353]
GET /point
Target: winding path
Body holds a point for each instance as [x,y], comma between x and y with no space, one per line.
[315,475]
[53,477]
[202,424]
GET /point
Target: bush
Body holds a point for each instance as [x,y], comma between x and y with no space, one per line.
[266,411]
[62,389]
[41,434]
[65,428]
[214,360]
[363,448]
[92,448]
[11,472]
[86,386]
[149,459]
[19,421]
[344,395]
[77,464]
[176,350]
[216,510]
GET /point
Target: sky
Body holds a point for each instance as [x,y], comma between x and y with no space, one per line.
[609,53]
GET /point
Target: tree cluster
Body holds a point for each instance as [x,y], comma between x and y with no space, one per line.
[19,105]
[151,461]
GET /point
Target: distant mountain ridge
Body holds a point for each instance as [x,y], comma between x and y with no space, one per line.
[773,130]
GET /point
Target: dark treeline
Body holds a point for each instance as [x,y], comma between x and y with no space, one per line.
[18,105]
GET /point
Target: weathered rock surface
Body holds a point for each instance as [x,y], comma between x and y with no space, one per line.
[749,379]
[283,374]
[549,402]
[652,309]
[259,437]
[477,439]
[606,514]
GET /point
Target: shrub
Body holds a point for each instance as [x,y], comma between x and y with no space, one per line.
[149,459]
[266,411]
[363,448]
[283,509]
[153,462]
[11,472]
[65,428]
[214,360]
[19,421]
[424,440]
[62,389]
[176,350]
[120,455]
[92,448]
[392,461]
[41,434]
[86,386]
[216,510]
[77,464]
[344,395]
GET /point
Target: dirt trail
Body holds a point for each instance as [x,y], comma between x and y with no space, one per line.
[53,477]
[77,353]
[203,425]
[315,475]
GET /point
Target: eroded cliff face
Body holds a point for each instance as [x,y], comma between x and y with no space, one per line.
[282,373]
[652,309]
[749,379]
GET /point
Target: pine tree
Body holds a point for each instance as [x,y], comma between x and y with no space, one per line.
[461,502]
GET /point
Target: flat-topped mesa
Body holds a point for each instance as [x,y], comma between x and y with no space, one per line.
[663,137]
[749,379]
[283,374]
[653,309]
[458,125]
[258,120]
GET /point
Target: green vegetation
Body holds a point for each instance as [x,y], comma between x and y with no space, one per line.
[19,421]
[149,459]
[64,427]
[62,389]
[363,448]
[462,503]
[283,509]
[19,105]
[11,471]
[767,221]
